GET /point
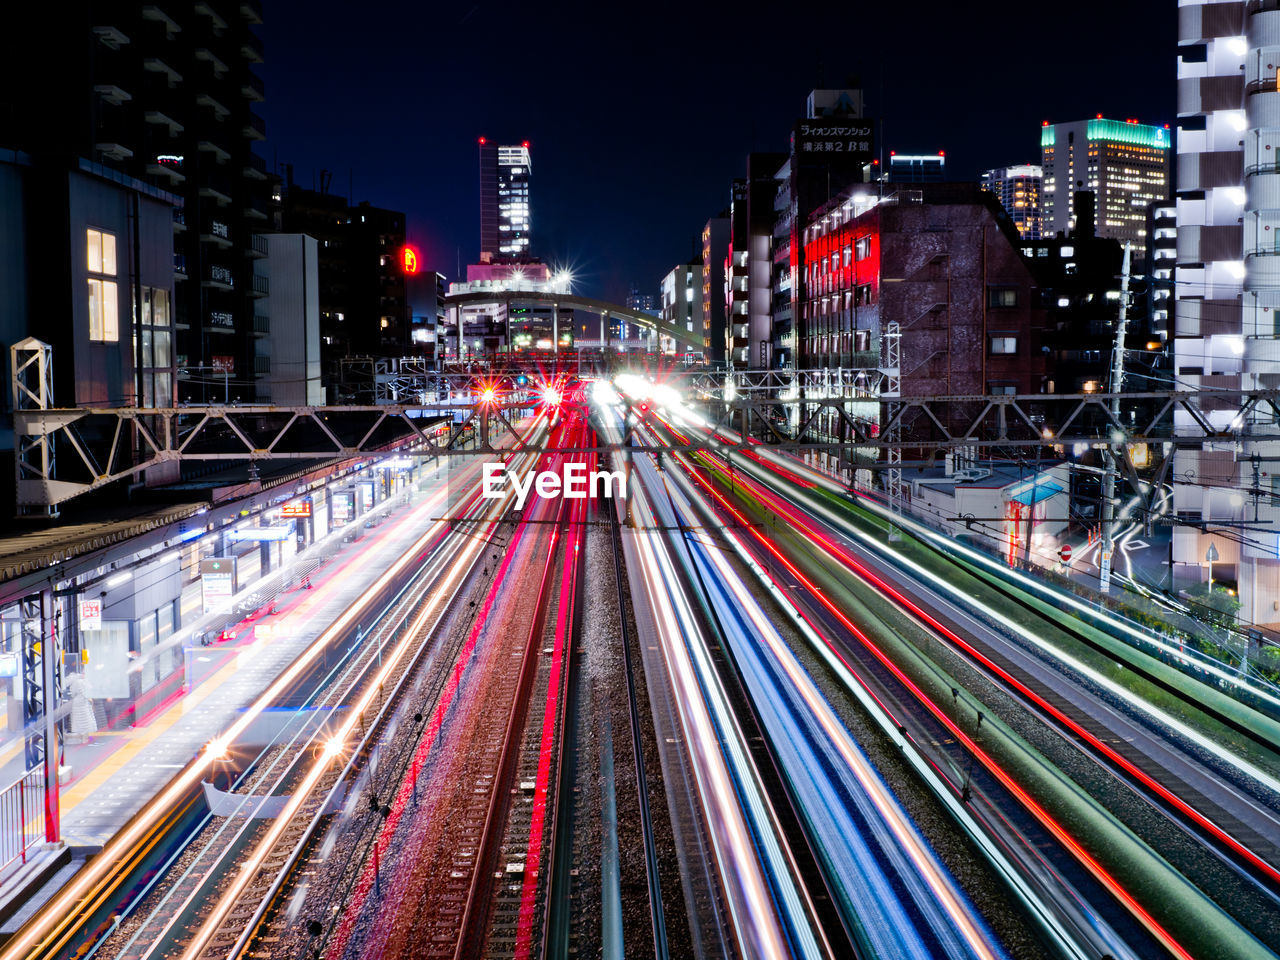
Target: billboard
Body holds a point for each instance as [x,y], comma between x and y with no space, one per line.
[342,505]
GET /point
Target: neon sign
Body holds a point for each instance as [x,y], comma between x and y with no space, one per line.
[409,259]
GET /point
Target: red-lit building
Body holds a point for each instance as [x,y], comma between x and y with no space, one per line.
[939,264]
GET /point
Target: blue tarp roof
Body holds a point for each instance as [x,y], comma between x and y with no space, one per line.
[1039,491]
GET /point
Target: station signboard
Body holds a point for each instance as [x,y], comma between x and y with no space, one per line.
[217,582]
[296,508]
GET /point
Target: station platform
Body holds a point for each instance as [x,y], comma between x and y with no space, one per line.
[114,773]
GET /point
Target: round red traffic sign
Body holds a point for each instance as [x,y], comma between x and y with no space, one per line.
[1065,552]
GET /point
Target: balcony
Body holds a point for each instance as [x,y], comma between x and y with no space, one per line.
[158,66]
[251,49]
[180,265]
[216,21]
[218,189]
[1261,269]
[255,128]
[253,210]
[256,168]
[252,88]
[261,286]
[179,220]
[113,151]
[219,154]
[208,56]
[159,119]
[261,325]
[169,169]
[155,14]
[219,110]
[112,94]
[258,245]
[251,10]
[111,37]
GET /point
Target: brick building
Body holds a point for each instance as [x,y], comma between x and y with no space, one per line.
[941,264]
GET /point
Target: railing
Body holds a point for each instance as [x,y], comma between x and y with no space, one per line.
[1261,168]
[1265,85]
[21,817]
[261,285]
[1261,6]
[259,244]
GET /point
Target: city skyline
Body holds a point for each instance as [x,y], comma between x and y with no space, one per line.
[415,151]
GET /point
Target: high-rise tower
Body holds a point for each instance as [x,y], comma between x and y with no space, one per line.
[504,201]
[1123,163]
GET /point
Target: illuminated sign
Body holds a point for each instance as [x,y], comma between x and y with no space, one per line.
[409,259]
[852,138]
[217,583]
[223,364]
[341,504]
[296,508]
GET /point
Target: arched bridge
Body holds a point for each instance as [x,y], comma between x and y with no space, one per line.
[691,340]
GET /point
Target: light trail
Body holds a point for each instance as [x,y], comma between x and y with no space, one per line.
[893,728]
[747,888]
[564,627]
[801,522]
[217,912]
[949,914]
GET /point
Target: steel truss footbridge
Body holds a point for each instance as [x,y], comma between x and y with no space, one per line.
[62,453]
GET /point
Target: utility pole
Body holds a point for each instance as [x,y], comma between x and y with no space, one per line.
[1117,382]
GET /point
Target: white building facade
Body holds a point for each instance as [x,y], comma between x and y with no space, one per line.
[1227,291]
[682,302]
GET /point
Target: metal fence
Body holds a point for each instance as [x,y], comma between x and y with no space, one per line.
[21,817]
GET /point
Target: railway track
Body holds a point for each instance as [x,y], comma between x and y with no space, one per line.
[246,918]
[271,775]
[1018,674]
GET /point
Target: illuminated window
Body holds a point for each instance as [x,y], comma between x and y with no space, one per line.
[862,249]
[104,294]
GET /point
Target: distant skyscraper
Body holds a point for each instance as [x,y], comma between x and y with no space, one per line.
[1019,190]
[504,201]
[913,168]
[1125,164]
[646,302]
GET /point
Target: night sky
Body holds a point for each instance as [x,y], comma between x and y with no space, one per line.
[639,115]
